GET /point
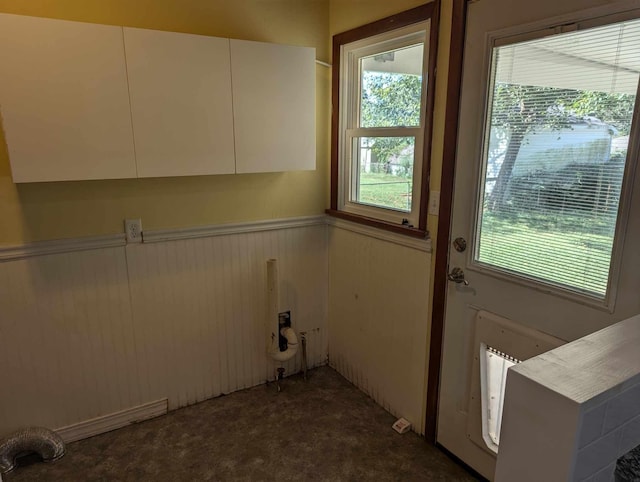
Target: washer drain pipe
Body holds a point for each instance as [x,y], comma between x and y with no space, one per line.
[303,336]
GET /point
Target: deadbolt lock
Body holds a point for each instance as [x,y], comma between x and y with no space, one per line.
[460,244]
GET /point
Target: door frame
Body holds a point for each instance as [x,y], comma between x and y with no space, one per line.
[440,282]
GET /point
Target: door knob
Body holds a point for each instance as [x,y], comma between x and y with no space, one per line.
[457,276]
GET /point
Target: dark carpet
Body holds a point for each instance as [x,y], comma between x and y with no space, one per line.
[320,429]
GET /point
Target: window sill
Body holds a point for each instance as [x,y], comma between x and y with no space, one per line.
[376,223]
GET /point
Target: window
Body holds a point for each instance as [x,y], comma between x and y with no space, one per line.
[556,141]
[383,79]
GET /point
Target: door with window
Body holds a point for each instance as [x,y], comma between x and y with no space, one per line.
[546,212]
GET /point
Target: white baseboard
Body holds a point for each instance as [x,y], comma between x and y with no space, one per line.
[112,421]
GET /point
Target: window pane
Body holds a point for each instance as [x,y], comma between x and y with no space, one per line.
[383,171]
[559,125]
[391,87]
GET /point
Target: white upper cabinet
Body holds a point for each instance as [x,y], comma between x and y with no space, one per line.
[180,89]
[64,100]
[273,106]
[88,101]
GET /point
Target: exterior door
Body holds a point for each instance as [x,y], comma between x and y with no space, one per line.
[546,207]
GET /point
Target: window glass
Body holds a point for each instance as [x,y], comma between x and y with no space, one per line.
[391,88]
[384,171]
[557,137]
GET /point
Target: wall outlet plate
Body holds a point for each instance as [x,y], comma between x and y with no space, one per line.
[402,425]
[133,230]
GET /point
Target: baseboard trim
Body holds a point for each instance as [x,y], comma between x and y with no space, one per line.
[39,248]
[161,235]
[112,421]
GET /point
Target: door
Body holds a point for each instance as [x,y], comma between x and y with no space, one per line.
[546,215]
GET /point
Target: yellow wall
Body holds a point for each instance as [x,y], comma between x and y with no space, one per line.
[39,211]
[348,14]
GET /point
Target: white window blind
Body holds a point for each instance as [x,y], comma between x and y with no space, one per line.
[557,135]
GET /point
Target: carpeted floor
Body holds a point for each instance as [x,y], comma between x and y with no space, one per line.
[320,429]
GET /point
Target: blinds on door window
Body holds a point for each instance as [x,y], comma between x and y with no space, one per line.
[556,142]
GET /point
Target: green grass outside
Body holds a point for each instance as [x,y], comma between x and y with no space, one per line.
[565,254]
[562,249]
[385,190]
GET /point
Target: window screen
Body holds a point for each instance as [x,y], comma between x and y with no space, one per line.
[557,134]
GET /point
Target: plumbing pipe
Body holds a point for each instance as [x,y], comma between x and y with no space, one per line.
[279,376]
[272,298]
[292,346]
[303,336]
[273,349]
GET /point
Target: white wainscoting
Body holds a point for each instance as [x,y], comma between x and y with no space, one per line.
[378,308]
[200,307]
[67,344]
[88,333]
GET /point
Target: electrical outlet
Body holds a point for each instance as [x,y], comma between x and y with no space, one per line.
[434,203]
[133,230]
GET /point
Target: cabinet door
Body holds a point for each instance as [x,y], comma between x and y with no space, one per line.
[180,88]
[64,100]
[273,106]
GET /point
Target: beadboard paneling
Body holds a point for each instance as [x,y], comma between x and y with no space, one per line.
[66,339]
[378,312]
[200,307]
[89,333]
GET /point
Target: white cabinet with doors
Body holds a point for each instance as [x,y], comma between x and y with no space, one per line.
[87,101]
[180,103]
[273,106]
[64,100]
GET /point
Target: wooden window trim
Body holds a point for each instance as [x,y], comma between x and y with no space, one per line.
[422,13]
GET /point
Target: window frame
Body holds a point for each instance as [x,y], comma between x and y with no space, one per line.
[382,30]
